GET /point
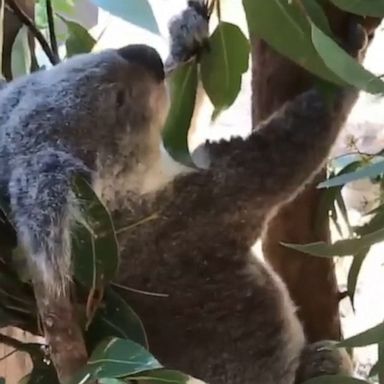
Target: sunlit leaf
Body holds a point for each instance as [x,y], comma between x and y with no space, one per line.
[223,65]
[79,40]
[116,358]
[165,376]
[371,336]
[21,54]
[138,12]
[340,248]
[369,171]
[343,65]
[292,37]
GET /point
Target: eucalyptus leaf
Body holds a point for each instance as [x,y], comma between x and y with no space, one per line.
[79,40]
[117,358]
[183,88]
[374,8]
[340,248]
[292,37]
[369,171]
[138,12]
[223,65]
[343,65]
[115,318]
[21,54]
[95,248]
[353,274]
[371,336]
[162,376]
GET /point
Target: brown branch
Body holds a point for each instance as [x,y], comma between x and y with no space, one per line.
[24,18]
[62,332]
[16,344]
[51,29]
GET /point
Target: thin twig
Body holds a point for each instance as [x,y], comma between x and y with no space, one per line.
[51,29]
[14,343]
[147,293]
[24,18]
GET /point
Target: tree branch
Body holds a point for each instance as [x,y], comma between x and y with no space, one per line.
[51,29]
[23,17]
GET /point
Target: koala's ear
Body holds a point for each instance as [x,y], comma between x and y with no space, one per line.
[146,57]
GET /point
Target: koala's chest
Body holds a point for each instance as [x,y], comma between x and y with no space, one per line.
[118,181]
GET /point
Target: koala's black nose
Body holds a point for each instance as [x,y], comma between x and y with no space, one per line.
[145,56]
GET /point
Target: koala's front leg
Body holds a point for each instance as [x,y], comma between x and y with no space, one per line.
[42,206]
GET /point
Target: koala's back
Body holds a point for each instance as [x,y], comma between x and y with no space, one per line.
[227,318]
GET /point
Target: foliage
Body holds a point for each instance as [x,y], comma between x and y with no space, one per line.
[115,335]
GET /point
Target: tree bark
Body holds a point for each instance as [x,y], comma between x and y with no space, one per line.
[311,281]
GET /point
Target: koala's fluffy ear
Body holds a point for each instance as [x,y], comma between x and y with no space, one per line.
[146,57]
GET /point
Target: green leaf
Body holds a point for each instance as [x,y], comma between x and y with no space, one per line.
[335,379]
[316,13]
[95,248]
[371,336]
[340,248]
[369,171]
[292,38]
[343,65]
[374,8]
[79,39]
[111,381]
[223,65]
[137,12]
[162,376]
[380,365]
[115,318]
[374,370]
[183,88]
[116,358]
[21,54]
[353,274]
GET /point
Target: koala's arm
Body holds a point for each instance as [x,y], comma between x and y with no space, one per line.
[282,153]
[43,207]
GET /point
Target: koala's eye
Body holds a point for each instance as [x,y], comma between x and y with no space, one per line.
[120,98]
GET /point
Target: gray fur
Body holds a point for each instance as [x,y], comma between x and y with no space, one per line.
[77,117]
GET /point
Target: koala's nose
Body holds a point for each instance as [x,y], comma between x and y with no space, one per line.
[145,56]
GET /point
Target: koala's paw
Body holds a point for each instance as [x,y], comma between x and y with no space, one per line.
[189,32]
[323,358]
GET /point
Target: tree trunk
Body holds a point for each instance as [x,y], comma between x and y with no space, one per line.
[310,280]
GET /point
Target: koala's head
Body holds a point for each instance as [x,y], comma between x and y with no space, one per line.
[104,97]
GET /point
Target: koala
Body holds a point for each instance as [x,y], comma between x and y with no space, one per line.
[216,311]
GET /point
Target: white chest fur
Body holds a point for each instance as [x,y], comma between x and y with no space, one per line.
[149,176]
